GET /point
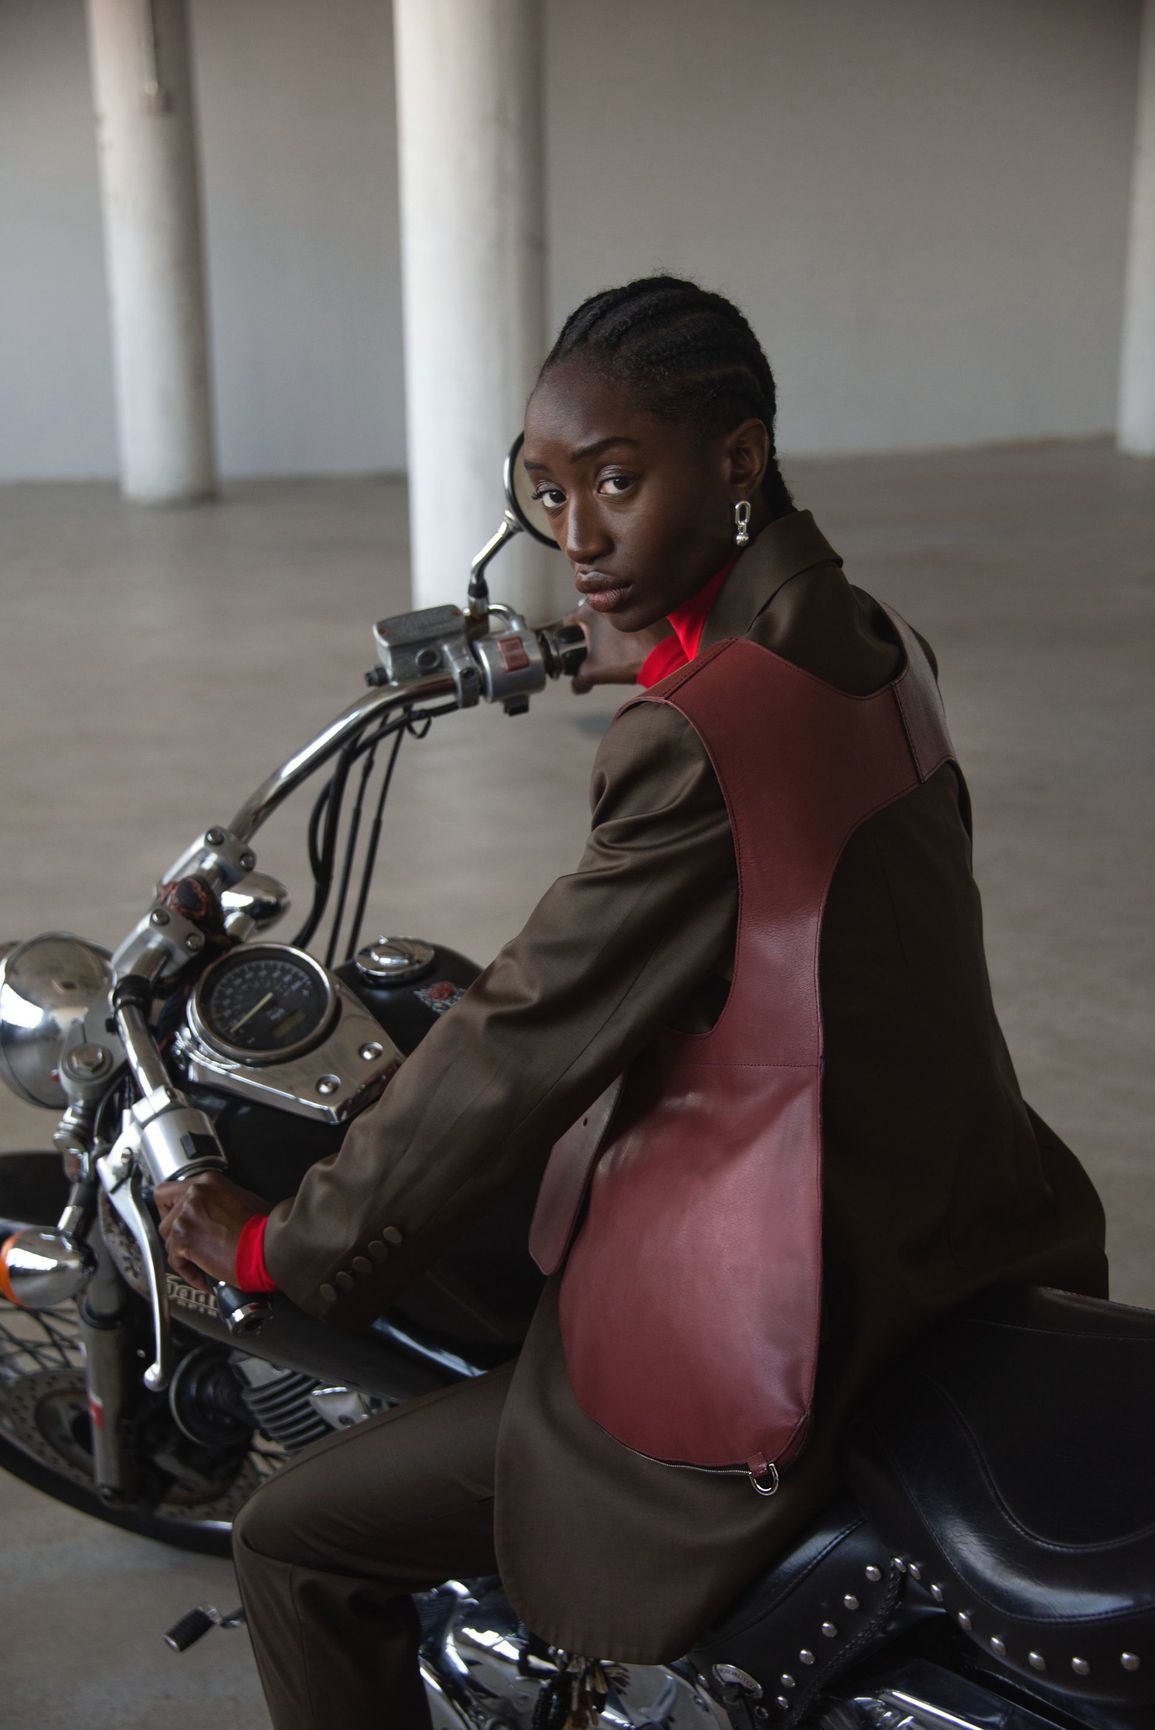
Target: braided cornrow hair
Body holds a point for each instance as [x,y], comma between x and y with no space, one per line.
[686,352]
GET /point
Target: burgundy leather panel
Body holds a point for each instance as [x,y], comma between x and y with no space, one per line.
[691,1297]
[693,1339]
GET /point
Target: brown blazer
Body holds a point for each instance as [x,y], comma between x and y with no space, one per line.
[938,1178]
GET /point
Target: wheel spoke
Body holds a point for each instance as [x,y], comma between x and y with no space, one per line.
[43,1413]
[38,1340]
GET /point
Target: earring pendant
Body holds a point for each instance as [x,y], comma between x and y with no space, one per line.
[742,523]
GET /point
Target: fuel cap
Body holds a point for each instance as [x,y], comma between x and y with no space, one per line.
[393,960]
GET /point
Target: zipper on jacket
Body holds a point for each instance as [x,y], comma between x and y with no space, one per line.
[767,1470]
[764,1475]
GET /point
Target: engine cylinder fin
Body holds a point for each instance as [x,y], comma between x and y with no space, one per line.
[278,1402]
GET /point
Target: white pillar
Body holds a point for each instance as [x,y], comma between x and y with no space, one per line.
[146,138]
[1137,369]
[469,126]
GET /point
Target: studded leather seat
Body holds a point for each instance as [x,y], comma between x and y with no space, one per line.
[833,1598]
[1011,1465]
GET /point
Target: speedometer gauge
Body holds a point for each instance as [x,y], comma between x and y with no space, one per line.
[263,1003]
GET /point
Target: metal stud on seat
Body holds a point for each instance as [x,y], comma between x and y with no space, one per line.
[965,1621]
[937,1594]
[783,1702]
[787,1680]
[1080,1666]
[873,1572]
[1036,1661]
[1129,1660]
[806,1655]
[998,1647]
[914,1571]
[830,1629]
[851,1602]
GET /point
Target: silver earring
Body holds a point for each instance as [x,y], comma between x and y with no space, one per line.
[742,522]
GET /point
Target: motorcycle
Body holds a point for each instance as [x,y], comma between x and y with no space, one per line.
[992,1566]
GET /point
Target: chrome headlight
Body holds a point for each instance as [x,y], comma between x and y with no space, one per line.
[46,985]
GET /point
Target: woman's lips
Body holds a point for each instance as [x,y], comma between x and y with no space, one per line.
[603,594]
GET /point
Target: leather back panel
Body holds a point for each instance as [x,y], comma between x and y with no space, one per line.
[691,1296]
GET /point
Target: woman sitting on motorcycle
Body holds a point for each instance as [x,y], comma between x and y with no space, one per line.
[649,439]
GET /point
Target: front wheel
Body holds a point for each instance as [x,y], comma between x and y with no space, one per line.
[191,1493]
[46,1441]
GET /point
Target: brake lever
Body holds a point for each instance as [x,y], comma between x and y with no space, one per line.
[121,1181]
[241,1312]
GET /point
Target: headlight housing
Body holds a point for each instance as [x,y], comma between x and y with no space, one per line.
[47,984]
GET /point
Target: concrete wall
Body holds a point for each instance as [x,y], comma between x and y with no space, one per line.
[300,191]
[921,205]
[56,415]
[298,141]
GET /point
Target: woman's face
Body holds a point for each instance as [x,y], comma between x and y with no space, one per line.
[642,508]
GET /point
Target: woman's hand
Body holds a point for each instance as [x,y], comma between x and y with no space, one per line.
[615,657]
[201,1221]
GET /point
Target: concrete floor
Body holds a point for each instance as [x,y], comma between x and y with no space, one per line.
[154,666]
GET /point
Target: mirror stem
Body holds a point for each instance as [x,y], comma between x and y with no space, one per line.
[478,587]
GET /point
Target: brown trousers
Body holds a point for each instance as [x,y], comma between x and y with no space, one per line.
[330,1550]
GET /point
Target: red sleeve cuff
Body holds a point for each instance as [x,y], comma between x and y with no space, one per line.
[667,657]
[252,1274]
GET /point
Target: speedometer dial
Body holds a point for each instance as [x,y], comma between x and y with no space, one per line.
[263,1003]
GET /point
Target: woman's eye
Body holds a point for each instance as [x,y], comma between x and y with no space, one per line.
[615,484]
[551,497]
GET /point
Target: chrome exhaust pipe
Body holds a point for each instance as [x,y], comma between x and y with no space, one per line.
[42,1266]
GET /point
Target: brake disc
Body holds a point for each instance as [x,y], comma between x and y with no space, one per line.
[45,1413]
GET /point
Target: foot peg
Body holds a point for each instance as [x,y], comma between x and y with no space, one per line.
[190,1628]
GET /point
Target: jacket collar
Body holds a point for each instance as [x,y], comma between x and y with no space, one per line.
[785,548]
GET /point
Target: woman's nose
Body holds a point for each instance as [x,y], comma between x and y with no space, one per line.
[586,539]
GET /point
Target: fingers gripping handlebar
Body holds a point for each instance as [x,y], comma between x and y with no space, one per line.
[163,1140]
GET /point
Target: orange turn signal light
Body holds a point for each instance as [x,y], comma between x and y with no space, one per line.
[5,1282]
[43,1266]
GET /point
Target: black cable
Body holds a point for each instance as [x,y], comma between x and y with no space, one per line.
[351,849]
[417,726]
[370,864]
[323,876]
[315,816]
[329,803]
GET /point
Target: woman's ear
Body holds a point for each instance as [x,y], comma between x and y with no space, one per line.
[745,454]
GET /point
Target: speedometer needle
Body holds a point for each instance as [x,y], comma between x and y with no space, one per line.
[249,1013]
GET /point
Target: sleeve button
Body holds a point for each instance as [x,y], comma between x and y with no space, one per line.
[392,1235]
[362,1265]
[345,1280]
[378,1250]
[329,1293]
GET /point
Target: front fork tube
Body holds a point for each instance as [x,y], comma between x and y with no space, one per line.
[107,1332]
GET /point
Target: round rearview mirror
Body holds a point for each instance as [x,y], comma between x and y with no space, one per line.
[530,512]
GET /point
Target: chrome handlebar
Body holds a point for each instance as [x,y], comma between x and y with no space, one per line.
[423,657]
[276,788]
[441,652]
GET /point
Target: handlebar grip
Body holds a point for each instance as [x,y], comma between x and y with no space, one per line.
[242,1312]
[564,648]
[572,648]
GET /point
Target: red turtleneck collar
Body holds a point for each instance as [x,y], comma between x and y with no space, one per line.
[688,621]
